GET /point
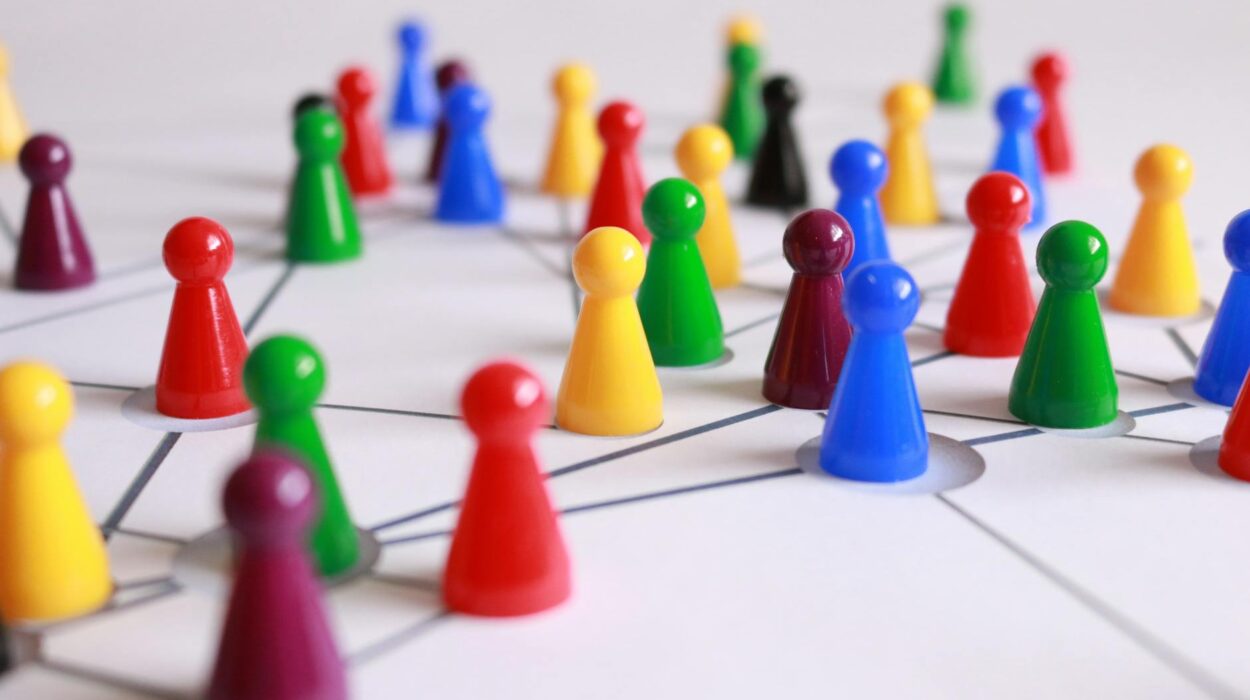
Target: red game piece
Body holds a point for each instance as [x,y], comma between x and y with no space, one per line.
[993,305]
[507,555]
[617,199]
[812,334]
[449,75]
[201,374]
[52,252]
[1234,457]
[364,151]
[1054,146]
[275,643]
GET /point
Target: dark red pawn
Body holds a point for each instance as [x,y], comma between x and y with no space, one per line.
[364,150]
[1054,145]
[812,334]
[993,306]
[201,373]
[617,198]
[507,554]
[275,643]
[52,251]
[449,75]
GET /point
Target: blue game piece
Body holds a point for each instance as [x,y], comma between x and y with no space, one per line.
[875,430]
[1018,110]
[469,190]
[1225,356]
[416,96]
[858,169]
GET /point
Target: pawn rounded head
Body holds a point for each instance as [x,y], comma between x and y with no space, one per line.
[1237,242]
[609,262]
[284,374]
[744,59]
[704,152]
[356,85]
[908,104]
[35,404]
[780,94]
[319,134]
[504,400]
[956,16]
[620,123]
[859,167]
[673,209]
[412,35]
[881,297]
[466,107]
[450,73]
[44,158]
[743,29]
[1072,255]
[1018,107]
[198,251]
[999,202]
[1049,70]
[1163,172]
[573,83]
[818,242]
[269,498]
[309,101]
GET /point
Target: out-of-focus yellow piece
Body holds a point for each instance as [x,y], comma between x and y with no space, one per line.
[908,196]
[573,161]
[703,153]
[13,131]
[743,29]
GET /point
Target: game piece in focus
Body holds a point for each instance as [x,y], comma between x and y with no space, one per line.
[1018,110]
[954,82]
[449,75]
[875,430]
[469,190]
[284,376]
[1064,378]
[742,114]
[908,196]
[992,309]
[507,554]
[609,386]
[1054,144]
[416,99]
[311,100]
[13,132]
[52,252]
[276,643]
[675,300]
[573,159]
[321,221]
[702,154]
[364,150]
[777,175]
[1157,274]
[201,372]
[1225,356]
[617,197]
[858,169]
[52,559]
[812,334]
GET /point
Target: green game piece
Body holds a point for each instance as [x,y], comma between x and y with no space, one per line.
[675,300]
[954,82]
[284,377]
[1064,378]
[742,115]
[321,221]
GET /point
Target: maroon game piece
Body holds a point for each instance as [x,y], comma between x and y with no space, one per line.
[507,555]
[449,75]
[812,334]
[617,199]
[276,643]
[364,150]
[1054,146]
[52,252]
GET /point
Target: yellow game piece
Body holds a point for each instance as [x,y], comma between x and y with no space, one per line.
[13,132]
[52,559]
[703,153]
[609,385]
[573,161]
[1157,275]
[908,196]
[743,29]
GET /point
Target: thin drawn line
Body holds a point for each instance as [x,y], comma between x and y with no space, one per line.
[109,680]
[928,326]
[69,313]
[931,358]
[1142,412]
[145,535]
[1141,377]
[6,227]
[144,582]
[566,229]
[972,416]
[1181,345]
[1157,439]
[140,481]
[405,635]
[269,297]
[388,411]
[98,385]
[528,247]
[753,324]
[420,584]
[1001,437]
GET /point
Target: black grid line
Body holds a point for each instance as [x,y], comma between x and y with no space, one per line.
[753,324]
[1141,377]
[1181,345]
[99,385]
[404,636]
[108,680]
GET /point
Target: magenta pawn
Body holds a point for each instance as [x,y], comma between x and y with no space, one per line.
[52,252]
[276,643]
[449,75]
[812,334]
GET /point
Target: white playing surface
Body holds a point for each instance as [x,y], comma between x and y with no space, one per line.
[706,563]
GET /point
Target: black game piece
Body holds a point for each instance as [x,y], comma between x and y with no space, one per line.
[777,177]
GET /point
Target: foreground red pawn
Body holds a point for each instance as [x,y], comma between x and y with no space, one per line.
[507,555]
[1054,146]
[617,198]
[993,305]
[364,150]
[1234,456]
[201,373]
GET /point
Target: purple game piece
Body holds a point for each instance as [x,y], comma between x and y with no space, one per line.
[52,252]
[450,74]
[275,644]
[812,334]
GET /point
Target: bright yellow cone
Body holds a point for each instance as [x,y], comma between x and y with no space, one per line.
[908,196]
[573,161]
[703,153]
[13,132]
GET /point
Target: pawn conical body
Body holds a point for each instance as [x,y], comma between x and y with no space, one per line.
[678,309]
[1225,356]
[321,224]
[469,190]
[908,196]
[1157,274]
[575,152]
